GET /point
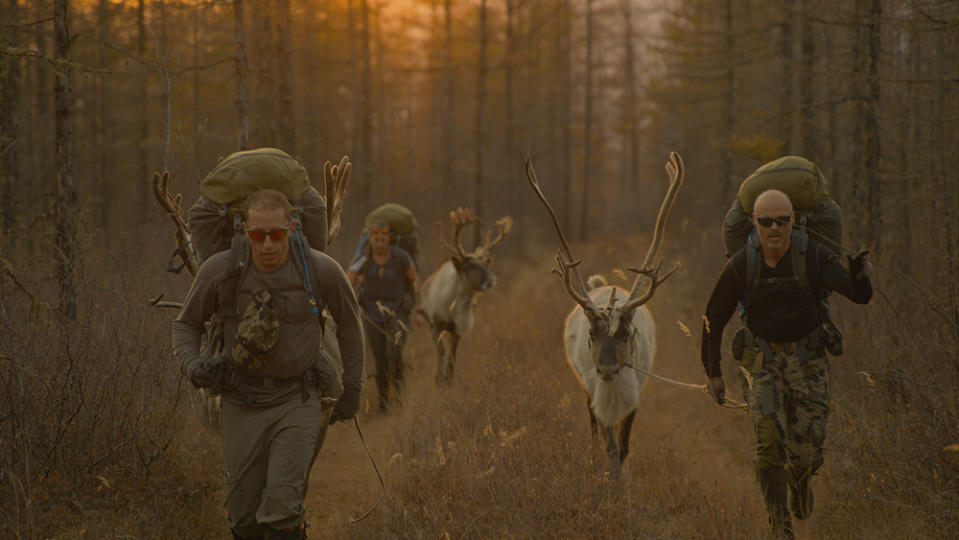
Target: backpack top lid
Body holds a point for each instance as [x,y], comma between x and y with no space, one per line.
[400,218]
[241,173]
[795,176]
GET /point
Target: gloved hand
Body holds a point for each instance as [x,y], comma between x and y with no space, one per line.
[717,389]
[859,266]
[346,406]
[200,371]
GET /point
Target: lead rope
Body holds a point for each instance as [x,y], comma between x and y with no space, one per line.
[728,404]
[354,520]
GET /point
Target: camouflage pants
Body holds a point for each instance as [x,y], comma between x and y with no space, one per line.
[789,405]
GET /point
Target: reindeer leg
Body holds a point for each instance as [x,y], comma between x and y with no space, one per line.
[624,428]
[445,353]
[593,430]
[612,449]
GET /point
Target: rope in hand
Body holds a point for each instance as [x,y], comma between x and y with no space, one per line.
[354,520]
[728,404]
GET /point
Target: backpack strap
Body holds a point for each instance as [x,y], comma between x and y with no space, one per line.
[753,257]
[306,263]
[800,247]
[229,282]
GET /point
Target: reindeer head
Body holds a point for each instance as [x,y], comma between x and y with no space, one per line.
[473,267]
[611,332]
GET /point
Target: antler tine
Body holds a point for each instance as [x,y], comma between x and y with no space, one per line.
[461,218]
[676,170]
[533,181]
[439,233]
[335,182]
[655,281]
[562,269]
[172,205]
[505,225]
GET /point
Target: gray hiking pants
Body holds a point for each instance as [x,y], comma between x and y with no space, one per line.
[268,453]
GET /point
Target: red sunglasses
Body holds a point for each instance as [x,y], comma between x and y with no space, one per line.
[375,230]
[277,235]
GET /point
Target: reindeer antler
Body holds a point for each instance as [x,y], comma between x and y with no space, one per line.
[505,225]
[563,266]
[174,209]
[677,175]
[335,180]
[459,218]
[562,269]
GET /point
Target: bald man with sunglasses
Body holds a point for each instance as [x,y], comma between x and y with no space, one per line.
[274,382]
[783,351]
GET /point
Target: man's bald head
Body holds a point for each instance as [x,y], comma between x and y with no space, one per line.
[773,218]
[772,202]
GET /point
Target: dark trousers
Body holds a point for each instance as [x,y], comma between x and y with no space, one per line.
[386,339]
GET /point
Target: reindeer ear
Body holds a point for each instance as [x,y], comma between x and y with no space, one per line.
[457,262]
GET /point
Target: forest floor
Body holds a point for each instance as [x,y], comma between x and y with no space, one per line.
[689,475]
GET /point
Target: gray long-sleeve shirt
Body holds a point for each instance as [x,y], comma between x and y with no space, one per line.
[300,338]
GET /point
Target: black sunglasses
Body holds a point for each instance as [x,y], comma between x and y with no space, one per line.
[766,221]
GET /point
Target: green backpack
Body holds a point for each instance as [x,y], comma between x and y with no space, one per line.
[217,214]
[800,179]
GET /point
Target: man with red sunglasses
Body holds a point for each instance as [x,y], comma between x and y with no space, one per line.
[273,379]
[782,348]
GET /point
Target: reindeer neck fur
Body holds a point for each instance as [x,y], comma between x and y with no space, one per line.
[611,400]
[446,298]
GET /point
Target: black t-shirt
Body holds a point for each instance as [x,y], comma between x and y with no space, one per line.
[385,283]
[779,310]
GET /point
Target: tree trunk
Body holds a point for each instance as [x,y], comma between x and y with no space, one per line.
[588,127]
[566,112]
[874,177]
[449,121]
[786,51]
[37,195]
[631,159]
[854,207]
[728,185]
[284,49]
[807,125]
[240,70]
[508,65]
[364,164]
[98,124]
[143,110]
[10,192]
[480,135]
[264,94]
[67,205]
[354,80]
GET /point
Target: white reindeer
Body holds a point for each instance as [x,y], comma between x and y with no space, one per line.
[449,295]
[610,335]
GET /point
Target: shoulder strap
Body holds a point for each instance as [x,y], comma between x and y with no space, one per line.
[229,283]
[800,248]
[752,265]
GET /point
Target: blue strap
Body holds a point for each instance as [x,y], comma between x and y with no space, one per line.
[307,284]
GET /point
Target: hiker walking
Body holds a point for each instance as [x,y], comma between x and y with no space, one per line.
[780,277]
[387,287]
[268,294]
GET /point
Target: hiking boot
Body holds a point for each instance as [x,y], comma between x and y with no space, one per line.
[773,484]
[800,493]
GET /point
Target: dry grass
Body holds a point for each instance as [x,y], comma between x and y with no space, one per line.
[111,449]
